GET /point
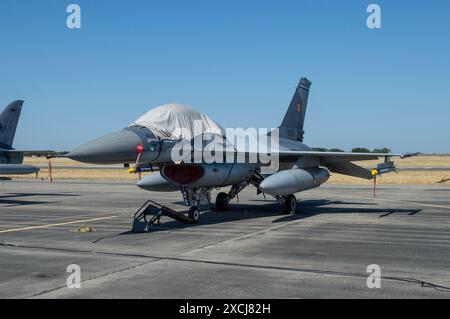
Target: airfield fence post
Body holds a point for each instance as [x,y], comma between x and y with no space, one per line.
[50,170]
[375,186]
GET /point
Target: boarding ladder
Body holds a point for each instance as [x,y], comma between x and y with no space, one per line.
[150,214]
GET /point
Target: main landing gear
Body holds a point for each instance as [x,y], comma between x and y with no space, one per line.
[223,199]
[290,204]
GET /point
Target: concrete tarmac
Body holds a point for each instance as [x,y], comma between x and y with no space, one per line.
[250,251]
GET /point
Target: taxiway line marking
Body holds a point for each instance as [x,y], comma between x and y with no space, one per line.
[55,225]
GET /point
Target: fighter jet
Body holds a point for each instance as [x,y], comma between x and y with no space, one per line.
[11,159]
[150,142]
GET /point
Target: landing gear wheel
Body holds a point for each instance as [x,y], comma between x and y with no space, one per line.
[222,201]
[290,204]
[194,214]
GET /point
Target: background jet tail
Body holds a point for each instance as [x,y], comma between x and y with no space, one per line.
[292,125]
[8,123]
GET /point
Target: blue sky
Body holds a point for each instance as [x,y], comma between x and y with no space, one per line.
[238,61]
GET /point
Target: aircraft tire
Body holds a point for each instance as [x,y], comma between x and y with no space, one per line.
[222,201]
[194,214]
[290,204]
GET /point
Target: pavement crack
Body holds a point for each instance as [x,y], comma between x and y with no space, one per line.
[92,279]
[154,258]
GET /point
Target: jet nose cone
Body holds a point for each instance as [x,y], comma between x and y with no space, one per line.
[118,147]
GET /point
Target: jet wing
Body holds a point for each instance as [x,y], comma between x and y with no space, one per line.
[13,151]
[341,162]
[335,157]
[286,155]
[17,169]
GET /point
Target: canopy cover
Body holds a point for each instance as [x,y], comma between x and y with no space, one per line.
[175,121]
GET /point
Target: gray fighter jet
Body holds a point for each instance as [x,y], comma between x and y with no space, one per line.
[11,159]
[300,167]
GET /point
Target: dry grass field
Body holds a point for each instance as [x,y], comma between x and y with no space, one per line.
[60,171]
[417,161]
[408,177]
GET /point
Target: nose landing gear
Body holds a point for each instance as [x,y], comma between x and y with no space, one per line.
[194,214]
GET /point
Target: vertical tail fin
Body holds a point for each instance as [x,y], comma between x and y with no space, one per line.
[292,125]
[8,123]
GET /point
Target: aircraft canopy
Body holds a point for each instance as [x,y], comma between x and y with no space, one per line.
[174,121]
